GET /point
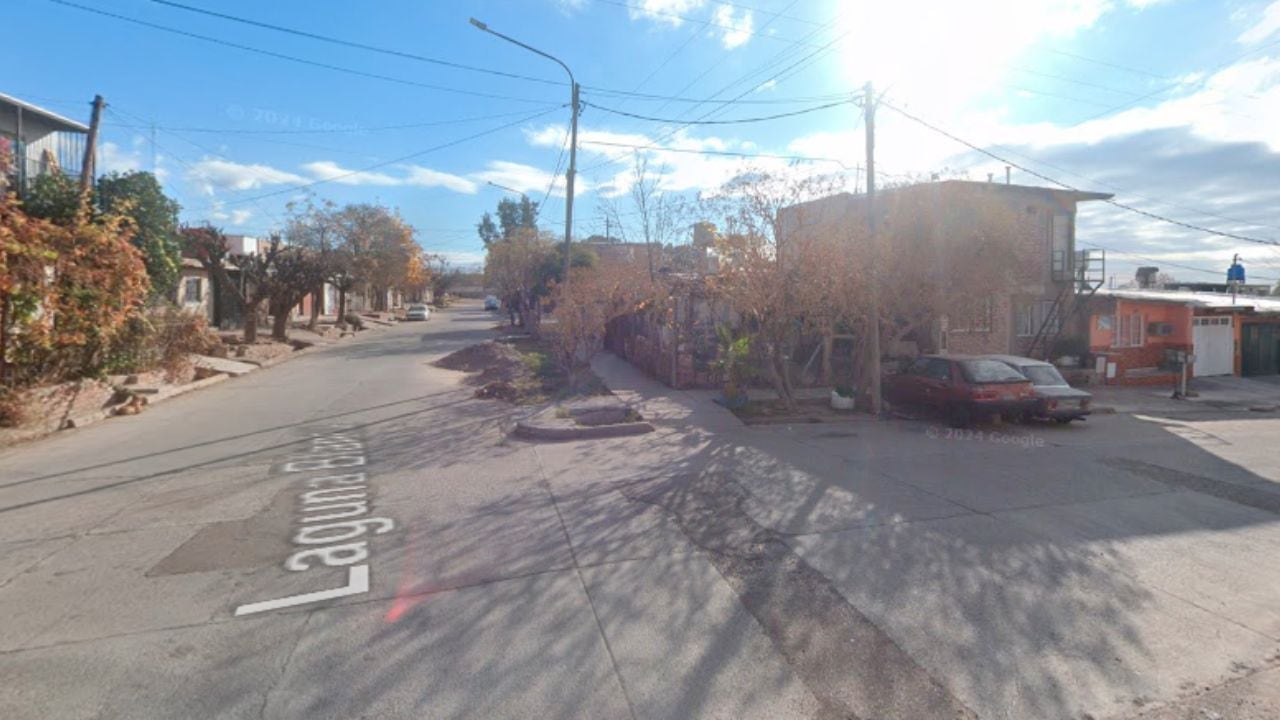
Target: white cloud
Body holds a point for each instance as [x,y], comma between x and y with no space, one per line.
[527,179]
[414,175]
[426,177]
[1264,27]
[114,158]
[333,172]
[212,174]
[663,11]
[767,85]
[735,29]
[218,213]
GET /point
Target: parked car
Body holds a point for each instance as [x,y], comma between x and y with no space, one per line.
[417,312]
[962,388]
[1057,400]
[491,303]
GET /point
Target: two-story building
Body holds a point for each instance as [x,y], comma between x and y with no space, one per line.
[35,141]
[1023,318]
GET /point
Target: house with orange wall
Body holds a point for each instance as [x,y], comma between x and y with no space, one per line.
[1140,337]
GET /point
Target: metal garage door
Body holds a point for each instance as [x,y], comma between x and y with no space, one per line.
[1214,346]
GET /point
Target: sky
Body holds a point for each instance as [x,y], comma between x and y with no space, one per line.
[1172,105]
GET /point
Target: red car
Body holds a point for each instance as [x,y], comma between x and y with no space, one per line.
[962,388]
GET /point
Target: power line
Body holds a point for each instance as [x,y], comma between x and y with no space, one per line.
[672,132]
[725,56]
[698,21]
[1104,63]
[357,45]
[410,156]
[292,58]
[1046,178]
[554,174]
[725,153]
[655,97]
[1180,266]
[1176,84]
[737,121]
[348,130]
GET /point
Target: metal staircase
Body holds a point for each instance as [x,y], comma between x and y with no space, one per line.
[1090,271]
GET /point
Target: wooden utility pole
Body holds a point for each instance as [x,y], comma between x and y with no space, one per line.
[87,169]
[873,339]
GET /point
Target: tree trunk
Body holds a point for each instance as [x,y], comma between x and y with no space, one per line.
[342,307]
[775,364]
[317,297]
[280,321]
[251,322]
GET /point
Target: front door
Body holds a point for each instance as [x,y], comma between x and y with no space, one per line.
[1213,343]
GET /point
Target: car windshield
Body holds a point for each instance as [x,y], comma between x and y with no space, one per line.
[1043,375]
[989,371]
[417,308]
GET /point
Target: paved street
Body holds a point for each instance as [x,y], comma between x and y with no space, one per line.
[350,535]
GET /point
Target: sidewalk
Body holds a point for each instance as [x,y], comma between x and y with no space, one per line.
[1213,394]
[663,406]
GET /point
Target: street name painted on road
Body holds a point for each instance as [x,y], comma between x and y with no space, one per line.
[333,510]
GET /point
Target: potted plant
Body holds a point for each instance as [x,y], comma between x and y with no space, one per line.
[842,397]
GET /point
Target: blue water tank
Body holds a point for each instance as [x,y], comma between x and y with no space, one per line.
[1235,273]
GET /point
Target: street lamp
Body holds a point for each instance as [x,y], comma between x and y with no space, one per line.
[573,138]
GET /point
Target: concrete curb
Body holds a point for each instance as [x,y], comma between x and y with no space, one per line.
[531,431]
[86,419]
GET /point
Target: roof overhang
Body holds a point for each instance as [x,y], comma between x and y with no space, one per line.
[60,123]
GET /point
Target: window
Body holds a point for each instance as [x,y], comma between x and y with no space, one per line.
[191,290]
[1130,331]
[938,370]
[1060,244]
[976,319]
[1031,316]
[989,371]
[919,367]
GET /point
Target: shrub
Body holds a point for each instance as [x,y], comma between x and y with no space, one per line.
[13,409]
[161,340]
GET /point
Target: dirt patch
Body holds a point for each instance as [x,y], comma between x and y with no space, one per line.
[519,370]
[258,352]
[768,412]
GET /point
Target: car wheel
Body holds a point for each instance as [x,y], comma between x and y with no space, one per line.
[958,416]
[1062,421]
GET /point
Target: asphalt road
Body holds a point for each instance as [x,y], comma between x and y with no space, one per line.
[350,534]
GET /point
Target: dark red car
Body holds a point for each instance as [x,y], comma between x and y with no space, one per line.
[962,388]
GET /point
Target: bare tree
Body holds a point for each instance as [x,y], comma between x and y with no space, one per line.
[655,212]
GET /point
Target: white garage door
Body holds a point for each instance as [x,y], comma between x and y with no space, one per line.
[1214,346]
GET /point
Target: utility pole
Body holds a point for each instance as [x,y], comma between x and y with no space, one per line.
[87,169]
[873,344]
[569,175]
